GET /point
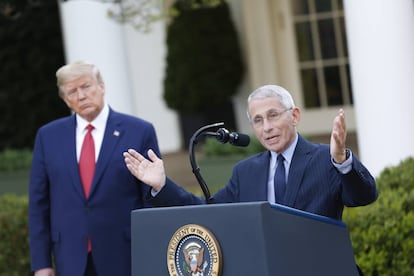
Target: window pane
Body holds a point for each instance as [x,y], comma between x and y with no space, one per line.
[343,34]
[300,7]
[333,85]
[327,38]
[310,88]
[304,41]
[323,5]
[340,5]
[348,75]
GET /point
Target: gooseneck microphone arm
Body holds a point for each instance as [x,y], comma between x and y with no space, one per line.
[223,136]
[194,166]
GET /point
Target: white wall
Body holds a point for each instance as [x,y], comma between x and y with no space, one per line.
[132,63]
[146,53]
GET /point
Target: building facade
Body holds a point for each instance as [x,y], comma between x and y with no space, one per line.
[327,53]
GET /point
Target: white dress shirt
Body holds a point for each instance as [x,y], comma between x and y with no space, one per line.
[99,125]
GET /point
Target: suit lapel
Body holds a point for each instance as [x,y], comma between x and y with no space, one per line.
[300,160]
[112,135]
[263,178]
[69,153]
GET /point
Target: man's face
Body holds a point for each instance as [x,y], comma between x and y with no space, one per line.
[85,96]
[273,125]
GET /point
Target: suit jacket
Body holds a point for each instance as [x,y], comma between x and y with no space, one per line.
[61,218]
[314,184]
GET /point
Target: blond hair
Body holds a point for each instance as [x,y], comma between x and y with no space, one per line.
[75,70]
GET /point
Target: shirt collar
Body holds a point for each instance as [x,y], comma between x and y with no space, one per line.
[98,123]
[288,153]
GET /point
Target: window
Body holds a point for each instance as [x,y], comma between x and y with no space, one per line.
[322,52]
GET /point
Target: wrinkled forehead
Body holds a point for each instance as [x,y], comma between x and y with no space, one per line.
[263,105]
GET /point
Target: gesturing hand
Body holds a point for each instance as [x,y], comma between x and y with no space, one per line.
[338,138]
[151,172]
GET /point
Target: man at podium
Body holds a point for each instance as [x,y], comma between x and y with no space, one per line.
[317,178]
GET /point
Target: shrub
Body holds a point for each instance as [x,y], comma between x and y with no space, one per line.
[383,232]
[14,232]
[31,51]
[204,60]
[12,160]
[211,147]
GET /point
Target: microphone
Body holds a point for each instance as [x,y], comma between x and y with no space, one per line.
[234,138]
[222,135]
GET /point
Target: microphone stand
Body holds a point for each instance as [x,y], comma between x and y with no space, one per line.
[194,166]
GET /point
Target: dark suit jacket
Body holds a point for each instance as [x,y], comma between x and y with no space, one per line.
[61,218]
[314,184]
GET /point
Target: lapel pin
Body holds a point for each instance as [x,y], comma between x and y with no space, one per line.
[116,133]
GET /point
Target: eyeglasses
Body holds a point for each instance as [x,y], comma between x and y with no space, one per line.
[272,116]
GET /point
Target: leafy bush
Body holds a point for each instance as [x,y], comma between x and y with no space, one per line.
[383,232]
[12,160]
[31,52]
[204,60]
[14,232]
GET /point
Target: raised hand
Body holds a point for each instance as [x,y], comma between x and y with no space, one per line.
[338,138]
[151,172]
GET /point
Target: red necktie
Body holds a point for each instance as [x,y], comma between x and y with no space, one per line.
[87,161]
[87,166]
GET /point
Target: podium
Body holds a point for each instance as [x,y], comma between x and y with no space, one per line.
[255,238]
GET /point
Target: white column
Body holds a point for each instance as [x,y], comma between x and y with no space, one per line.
[146,54]
[90,35]
[381,42]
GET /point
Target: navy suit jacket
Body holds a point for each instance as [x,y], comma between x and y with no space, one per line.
[61,218]
[314,184]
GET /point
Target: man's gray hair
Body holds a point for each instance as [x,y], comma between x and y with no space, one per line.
[268,91]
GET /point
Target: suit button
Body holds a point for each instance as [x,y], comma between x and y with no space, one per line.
[87,208]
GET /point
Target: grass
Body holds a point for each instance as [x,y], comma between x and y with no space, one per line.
[15,182]
[216,171]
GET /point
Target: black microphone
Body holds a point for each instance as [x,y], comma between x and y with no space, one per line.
[234,138]
[223,136]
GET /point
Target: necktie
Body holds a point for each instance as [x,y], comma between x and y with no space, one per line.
[87,161]
[280,180]
[87,166]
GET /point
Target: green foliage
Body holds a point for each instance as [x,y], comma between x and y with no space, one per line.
[217,161]
[383,232]
[14,243]
[204,61]
[211,147]
[143,13]
[12,160]
[31,52]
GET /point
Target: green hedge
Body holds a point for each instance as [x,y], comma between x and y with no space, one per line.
[31,52]
[204,61]
[14,243]
[211,147]
[13,160]
[383,233]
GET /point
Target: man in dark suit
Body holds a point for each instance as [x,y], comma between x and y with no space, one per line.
[316,178]
[87,229]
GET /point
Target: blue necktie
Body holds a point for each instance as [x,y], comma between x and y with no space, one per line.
[280,180]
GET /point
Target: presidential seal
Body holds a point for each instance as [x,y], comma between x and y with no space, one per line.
[194,251]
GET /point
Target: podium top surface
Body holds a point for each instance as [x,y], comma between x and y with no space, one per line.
[307,214]
[257,204]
